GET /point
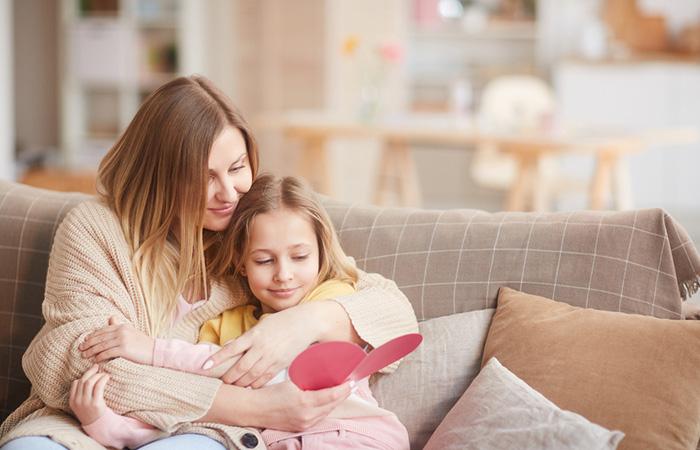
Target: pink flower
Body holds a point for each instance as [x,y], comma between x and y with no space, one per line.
[391,52]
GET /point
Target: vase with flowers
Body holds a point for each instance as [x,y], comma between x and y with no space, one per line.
[373,64]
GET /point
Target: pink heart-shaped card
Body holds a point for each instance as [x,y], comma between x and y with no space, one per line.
[329,364]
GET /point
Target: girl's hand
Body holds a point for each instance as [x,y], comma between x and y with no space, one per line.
[290,409]
[118,340]
[87,396]
[268,347]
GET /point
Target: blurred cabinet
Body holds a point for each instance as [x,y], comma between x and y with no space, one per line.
[115,53]
[641,96]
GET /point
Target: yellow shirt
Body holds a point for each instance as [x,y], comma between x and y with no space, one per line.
[234,322]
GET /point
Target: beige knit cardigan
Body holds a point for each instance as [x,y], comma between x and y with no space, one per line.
[90,279]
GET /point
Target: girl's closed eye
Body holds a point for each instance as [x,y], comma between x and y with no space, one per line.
[300,257]
[263,261]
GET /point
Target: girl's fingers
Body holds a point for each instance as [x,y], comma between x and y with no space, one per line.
[101,347]
[90,372]
[99,389]
[86,388]
[73,391]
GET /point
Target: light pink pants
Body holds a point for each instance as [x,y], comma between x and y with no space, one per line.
[375,433]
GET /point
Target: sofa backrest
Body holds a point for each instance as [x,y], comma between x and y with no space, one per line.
[450,261]
[444,261]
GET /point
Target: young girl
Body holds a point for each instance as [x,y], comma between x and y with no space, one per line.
[287,254]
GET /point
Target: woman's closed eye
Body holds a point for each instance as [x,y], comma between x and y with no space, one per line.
[236,169]
[261,262]
[300,257]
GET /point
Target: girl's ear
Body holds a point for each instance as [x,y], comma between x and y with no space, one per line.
[243,272]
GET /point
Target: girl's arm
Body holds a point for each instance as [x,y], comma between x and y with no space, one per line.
[122,340]
[99,421]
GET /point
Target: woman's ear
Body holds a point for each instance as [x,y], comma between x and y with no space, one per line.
[243,272]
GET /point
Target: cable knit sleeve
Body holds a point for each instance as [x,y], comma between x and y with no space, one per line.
[90,279]
[379,311]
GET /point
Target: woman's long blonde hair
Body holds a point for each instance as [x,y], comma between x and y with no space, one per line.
[155,180]
[270,193]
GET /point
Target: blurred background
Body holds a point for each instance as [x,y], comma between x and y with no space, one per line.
[491,104]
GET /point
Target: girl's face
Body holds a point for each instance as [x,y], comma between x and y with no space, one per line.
[282,261]
[230,177]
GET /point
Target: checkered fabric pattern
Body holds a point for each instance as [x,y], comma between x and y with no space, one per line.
[454,261]
[444,261]
[28,221]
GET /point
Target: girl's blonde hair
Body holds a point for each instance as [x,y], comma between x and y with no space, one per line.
[270,193]
[154,178]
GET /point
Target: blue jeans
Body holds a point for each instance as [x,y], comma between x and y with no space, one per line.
[180,442]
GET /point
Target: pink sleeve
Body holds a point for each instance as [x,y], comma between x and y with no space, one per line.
[113,430]
[181,355]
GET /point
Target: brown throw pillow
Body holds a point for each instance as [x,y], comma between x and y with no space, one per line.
[627,372]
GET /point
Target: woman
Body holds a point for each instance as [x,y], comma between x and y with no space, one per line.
[168,188]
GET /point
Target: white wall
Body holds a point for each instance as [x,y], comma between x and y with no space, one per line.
[641,97]
[373,22]
[6,98]
[35,71]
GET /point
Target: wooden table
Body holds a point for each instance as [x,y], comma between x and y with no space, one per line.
[609,180]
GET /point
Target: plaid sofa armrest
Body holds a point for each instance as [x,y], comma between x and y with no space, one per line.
[449,261]
[28,220]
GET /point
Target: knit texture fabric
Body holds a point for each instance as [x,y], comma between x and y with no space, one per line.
[90,279]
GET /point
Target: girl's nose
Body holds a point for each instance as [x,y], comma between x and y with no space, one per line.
[283,273]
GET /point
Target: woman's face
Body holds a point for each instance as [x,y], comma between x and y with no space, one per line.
[230,177]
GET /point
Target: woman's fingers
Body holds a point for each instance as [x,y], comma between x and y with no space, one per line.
[114,352]
[232,349]
[101,347]
[326,400]
[263,379]
[262,372]
[98,336]
[240,369]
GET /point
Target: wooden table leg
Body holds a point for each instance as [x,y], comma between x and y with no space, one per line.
[397,172]
[516,199]
[622,185]
[385,177]
[314,165]
[600,184]
[408,175]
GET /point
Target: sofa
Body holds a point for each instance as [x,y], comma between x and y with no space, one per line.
[451,264]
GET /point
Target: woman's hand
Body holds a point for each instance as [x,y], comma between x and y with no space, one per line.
[259,354]
[87,396]
[118,340]
[265,349]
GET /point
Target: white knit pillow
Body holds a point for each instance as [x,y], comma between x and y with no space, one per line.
[499,410]
[430,380]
